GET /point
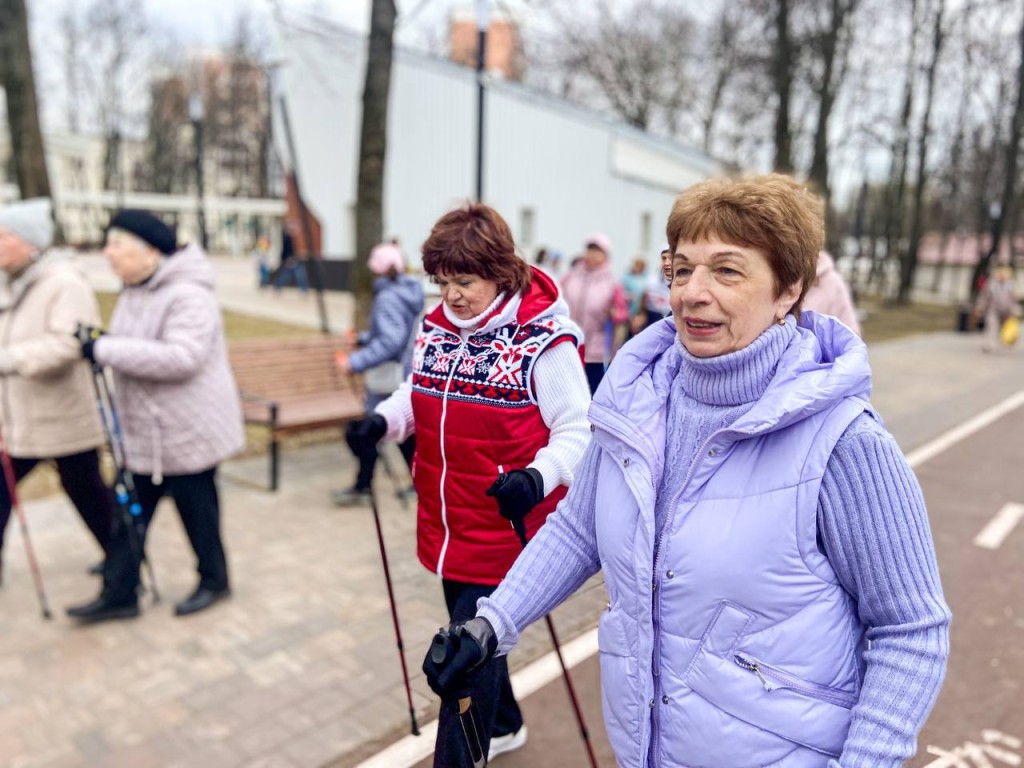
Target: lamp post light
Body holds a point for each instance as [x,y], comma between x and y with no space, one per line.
[482,10]
[995,213]
[195,113]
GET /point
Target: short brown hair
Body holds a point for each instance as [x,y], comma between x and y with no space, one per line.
[476,240]
[772,213]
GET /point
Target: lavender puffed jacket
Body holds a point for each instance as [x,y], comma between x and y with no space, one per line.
[174,391]
[728,640]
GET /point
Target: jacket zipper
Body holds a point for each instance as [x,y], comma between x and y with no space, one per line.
[645,744]
[444,456]
[773,678]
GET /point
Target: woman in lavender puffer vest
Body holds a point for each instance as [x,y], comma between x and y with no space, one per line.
[756,525]
[176,398]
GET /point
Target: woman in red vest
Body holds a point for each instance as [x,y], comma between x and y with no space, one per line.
[498,401]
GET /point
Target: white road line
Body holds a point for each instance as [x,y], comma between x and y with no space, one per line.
[946,440]
[1000,526]
[410,750]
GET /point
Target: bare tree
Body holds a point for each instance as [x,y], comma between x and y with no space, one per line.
[27,150]
[782,76]
[834,45]
[629,60]
[372,151]
[1008,197]
[723,61]
[116,31]
[72,33]
[894,206]
[909,263]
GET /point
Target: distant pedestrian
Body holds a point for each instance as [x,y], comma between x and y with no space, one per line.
[656,295]
[291,267]
[47,406]
[830,295]
[634,284]
[384,355]
[261,257]
[997,303]
[177,401]
[498,402]
[597,304]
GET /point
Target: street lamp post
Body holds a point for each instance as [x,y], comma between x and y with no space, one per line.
[481,51]
[195,113]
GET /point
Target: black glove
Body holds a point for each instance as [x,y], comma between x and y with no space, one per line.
[455,654]
[517,492]
[87,336]
[362,436]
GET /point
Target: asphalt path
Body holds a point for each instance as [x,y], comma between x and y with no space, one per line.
[979,717]
[972,489]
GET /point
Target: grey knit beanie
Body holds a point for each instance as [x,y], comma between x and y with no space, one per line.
[31,220]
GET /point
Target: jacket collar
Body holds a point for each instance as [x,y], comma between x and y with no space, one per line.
[542,298]
[823,363]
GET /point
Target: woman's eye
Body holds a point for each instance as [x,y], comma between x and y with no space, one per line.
[728,271]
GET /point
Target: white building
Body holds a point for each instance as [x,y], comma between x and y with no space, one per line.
[554,171]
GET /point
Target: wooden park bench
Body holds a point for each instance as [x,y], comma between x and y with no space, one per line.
[292,385]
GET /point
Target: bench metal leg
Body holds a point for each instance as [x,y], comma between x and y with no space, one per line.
[274,469]
[274,449]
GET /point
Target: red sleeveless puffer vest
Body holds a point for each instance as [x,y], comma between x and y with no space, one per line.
[476,416]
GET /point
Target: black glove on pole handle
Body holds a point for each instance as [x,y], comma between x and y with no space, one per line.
[520,528]
[440,652]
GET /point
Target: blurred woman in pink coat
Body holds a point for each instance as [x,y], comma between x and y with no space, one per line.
[830,295]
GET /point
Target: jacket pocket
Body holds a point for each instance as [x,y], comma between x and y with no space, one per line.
[773,679]
[794,710]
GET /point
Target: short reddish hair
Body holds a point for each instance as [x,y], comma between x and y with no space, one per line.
[476,240]
[772,213]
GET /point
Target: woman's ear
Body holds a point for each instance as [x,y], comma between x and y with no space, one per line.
[789,297]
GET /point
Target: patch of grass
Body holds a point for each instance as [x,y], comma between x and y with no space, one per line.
[236,326]
[887,320]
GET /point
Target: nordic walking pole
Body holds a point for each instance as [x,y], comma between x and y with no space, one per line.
[124,483]
[520,529]
[390,472]
[33,564]
[394,610]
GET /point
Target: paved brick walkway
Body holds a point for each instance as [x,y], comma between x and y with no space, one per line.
[300,667]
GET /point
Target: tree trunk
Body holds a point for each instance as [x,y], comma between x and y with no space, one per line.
[908,267]
[831,80]
[898,175]
[783,76]
[372,151]
[1010,180]
[27,149]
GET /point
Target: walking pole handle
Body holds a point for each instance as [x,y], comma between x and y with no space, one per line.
[520,528]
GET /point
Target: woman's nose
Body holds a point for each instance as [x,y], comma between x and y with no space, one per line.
[695,289]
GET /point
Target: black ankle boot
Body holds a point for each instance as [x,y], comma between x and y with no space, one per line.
[103,609]
[200,600]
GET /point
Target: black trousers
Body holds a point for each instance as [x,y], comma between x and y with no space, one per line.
[492,690]
[595,372]
[82,482]
[368,462]
[196,498]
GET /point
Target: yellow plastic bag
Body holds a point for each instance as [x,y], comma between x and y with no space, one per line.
[1010,331]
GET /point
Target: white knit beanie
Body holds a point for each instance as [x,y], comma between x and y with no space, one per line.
[31,220]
